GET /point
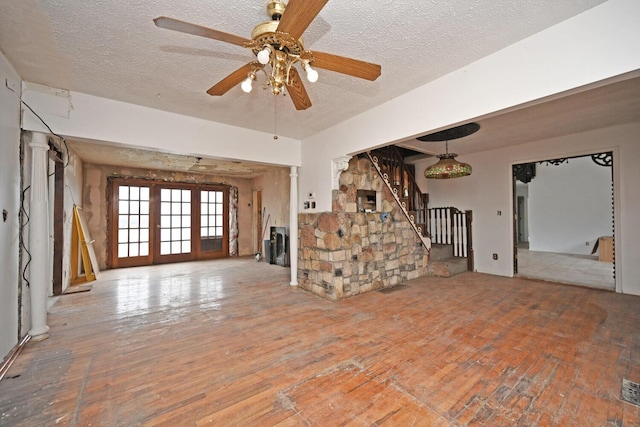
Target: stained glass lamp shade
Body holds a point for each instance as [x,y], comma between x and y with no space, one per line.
[447,167]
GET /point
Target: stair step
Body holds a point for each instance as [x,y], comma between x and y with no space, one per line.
[448,267]
[440,252]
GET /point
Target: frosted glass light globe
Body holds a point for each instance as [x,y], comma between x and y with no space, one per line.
[246,85]
[263,56]
[312,75]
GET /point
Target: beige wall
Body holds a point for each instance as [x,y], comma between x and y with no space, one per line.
[95,201]
[275,186]
[73,176]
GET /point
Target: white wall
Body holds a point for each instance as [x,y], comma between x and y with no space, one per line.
[570,204]
[486,192]
[489,190]
[9,201]
[596,45]
[77,115]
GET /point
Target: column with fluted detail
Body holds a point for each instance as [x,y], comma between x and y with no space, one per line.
[293,225]
[39,235]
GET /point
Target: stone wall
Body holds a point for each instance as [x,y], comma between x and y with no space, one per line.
[346,252]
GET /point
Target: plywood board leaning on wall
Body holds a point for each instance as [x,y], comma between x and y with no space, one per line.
[84,264]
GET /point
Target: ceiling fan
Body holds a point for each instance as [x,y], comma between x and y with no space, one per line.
[278,43]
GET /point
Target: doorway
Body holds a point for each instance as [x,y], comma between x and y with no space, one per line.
[56,219]
[563,212]
[157,222]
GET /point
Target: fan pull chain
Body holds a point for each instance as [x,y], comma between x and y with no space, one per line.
[275,117]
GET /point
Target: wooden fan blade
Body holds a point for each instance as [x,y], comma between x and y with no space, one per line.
[297,92]
[341,64]
[298,15]
[224,85]
[197,30]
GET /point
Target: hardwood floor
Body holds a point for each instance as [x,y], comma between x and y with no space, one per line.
[229,342]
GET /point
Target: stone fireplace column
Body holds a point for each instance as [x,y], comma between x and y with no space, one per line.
[39,236]
[293,225]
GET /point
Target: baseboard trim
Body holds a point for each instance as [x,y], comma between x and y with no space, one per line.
[6,365]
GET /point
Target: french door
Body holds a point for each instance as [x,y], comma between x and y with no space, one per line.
[156,222]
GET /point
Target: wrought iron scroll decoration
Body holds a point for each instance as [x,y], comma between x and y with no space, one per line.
[555,162]
[394,191]
[603,159]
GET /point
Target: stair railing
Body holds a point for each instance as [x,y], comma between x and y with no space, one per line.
[451,226]
[399,179]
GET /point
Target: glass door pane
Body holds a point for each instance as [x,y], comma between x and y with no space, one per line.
[211,221]
[133,221]
[175,221]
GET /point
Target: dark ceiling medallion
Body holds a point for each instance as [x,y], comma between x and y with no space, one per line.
[453,133]
[555,162]
[603,159]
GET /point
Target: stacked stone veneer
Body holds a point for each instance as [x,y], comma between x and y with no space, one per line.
[345,252]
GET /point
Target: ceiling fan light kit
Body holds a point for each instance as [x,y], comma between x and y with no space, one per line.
[278,46]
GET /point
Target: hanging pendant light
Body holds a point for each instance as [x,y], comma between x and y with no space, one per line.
[447,167]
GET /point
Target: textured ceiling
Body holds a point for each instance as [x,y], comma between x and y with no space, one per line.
[112,49]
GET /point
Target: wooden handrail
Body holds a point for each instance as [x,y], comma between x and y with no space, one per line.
[400,177]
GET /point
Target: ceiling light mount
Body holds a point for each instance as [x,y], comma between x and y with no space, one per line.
[452,133]
[279,50]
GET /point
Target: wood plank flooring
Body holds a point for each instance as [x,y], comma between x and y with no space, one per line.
[229,342]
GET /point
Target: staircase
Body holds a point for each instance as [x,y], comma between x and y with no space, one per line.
[451,249]
[446,232]
[443,263]
[399,177]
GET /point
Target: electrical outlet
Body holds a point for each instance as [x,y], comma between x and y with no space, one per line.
[499,213]
[495,257]
[587,243]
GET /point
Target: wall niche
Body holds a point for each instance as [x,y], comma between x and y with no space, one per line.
[367,201]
